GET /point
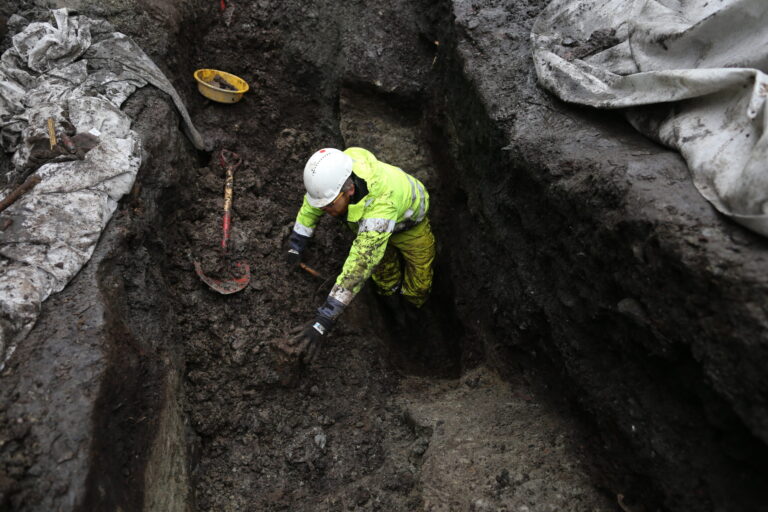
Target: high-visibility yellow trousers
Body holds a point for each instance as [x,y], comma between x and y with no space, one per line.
[407,264]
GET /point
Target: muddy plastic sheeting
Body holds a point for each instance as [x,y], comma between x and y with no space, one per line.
[693,73]
[61,88]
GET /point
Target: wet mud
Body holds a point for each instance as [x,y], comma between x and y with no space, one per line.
[488,402]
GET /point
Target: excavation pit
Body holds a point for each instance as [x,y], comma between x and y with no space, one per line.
[549,373]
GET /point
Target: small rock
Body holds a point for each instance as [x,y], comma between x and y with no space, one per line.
[740,238]
[238,357]
[473,381]
[480,505]
[362,496]
[502,479]
[631,307]
[420,447]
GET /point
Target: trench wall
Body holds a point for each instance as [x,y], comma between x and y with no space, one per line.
[604,263]
[90,402]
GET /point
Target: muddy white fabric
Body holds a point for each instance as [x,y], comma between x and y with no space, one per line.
[79,72]
[691,75]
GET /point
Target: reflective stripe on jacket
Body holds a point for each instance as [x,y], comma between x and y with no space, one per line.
[396,201]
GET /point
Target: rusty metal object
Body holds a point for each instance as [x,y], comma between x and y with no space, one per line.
[240,270]
[226,286]
[68,143]
[310,270]
[314,273]
[19,191]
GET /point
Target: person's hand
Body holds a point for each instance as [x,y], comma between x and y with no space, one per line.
[296,245]
[309,344]
[293,258]
[306,344]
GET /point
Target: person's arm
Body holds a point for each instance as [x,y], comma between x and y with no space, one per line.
[374,231]
[366,252]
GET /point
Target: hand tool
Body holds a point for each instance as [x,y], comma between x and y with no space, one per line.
[240,279]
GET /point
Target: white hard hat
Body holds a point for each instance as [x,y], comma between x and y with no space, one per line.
[325,174]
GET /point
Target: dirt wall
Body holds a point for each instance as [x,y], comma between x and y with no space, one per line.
[602,258]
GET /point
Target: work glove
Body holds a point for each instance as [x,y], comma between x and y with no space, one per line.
[314,333]
[293,258]
[303,343]
[306,345]
[296,244]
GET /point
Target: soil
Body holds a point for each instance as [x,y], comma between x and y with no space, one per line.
[222,84]
[496,400]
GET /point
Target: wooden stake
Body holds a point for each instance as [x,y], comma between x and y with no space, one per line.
[52,132]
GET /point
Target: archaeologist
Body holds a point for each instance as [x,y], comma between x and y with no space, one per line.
[387,208]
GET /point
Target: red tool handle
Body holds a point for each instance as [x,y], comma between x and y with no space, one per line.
[227,208]
[227,222]
[230,161]
[222,5]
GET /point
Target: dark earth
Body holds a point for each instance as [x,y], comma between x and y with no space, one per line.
[595,340]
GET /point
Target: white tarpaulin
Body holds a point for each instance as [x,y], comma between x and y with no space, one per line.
[78,73]
[693,73]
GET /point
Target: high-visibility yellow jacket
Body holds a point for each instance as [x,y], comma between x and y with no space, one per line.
[395,202]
